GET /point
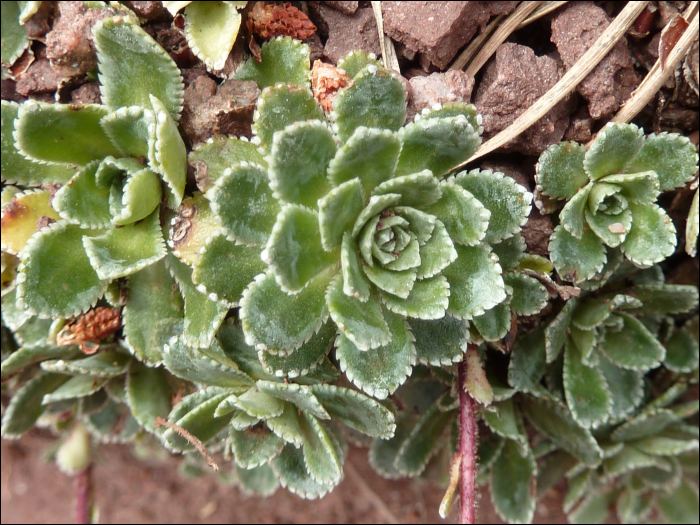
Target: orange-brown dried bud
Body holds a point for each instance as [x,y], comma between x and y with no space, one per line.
[92,327]
[326,80]
[270,21]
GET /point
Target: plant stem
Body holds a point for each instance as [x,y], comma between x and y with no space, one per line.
[83,496]
[467,448]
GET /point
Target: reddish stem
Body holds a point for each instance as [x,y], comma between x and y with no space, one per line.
[467,447]
[83,496]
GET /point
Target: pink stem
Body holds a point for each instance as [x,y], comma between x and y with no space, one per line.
[83,496]
[467,447]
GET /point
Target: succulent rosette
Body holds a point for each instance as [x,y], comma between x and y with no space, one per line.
[349,215]
[611,189]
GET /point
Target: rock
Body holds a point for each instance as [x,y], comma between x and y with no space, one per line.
[348,8]
[147,10]
[347,32]
[40,77]
[579,126]
[315,47]
[189,75]
[451,86]
[69,45]
[438,30]
[678,119]
[226,110]
[38,24]
[87,94]
[9,91]
[574,30]
[512,82]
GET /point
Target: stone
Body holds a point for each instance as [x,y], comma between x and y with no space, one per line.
[226,109]
[348,8]
[580,126]
[437,30]
[39,23]
[39,77]
[451,86]
[86,94]
[575,28]
[346,32]
[512,82]
[147,10]
[69,45]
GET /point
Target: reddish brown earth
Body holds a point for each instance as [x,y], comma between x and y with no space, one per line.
[131,491]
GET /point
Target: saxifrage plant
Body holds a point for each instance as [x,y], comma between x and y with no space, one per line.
[611,190]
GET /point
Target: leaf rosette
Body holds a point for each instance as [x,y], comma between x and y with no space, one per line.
[350,215]
[611,189]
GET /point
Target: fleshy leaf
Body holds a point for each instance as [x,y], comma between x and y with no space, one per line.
[681,505]
[611,229]
[464,217]
[153,312]
[337,212]
[27,356]
[304,313]
[509,202]
[202,315]
[550,419]
[641,187]
[652,237]
[356,410]
[437,253]
[26,406]
[476,383]
[135,199]
[299,395]
[592,510]
[255,446]
[376,99]
[20,216]
[512,483]
[211,29]
[166,152]
[572,216]
[225,269]
[528,361]
[298,160]
[62,133]
[682,352]
[475,282]
[194,224]
[294,251]
[614,147]
[399,283]
[148,394]
[594,311]
[82,201]
[417,190]
[383,452]
[17,168]
[587,393]
[453,109]
[422,442]
[529,295]
[104,364]
[511,251]
[439,342]
[280,106]
[666,298]
[290,468]
[123,251]
[133,67]
[560,171]
[494,324]
[50,290]
[646,424]
[355,283]
[207,366]
[428,299]
[196,415]
[370,154]
[284,60]
[355,61]
[671,156]
[437,144]
[76,387]
[506,421]
[626,387]
[129,129]
[664,446]
[212,158]
[361,322]
[632,347]
[260,481]
[575,259]
[323,462]
[692,227]
[302,360]
[259,404]
[14,36]
[381,371]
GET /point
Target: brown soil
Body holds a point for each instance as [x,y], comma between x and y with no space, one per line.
[132,491]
